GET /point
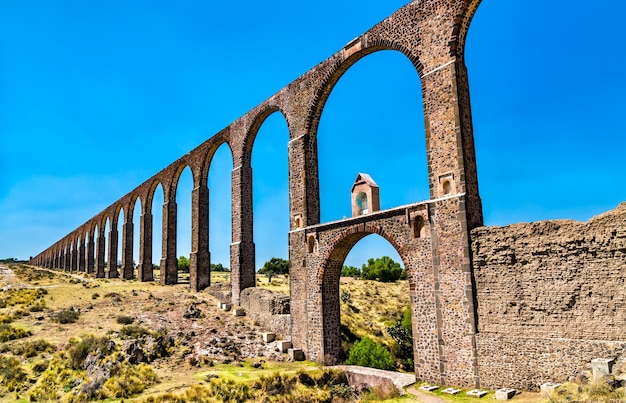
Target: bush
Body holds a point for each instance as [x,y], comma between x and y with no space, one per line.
[368,353]
[382,269]
[134,331]
[401,333]
[124,320]
[78,350]
[8,332]
[345,296]
[30,349]
[66,316]
[130,380]
[12,376]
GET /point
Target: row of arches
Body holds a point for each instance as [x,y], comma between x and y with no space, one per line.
[131,217]
[301,105]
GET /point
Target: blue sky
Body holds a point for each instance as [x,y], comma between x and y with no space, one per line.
[96,97]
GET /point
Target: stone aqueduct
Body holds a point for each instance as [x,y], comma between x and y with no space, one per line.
[432,238]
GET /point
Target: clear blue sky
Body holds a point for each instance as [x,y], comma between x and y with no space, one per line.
[96,97]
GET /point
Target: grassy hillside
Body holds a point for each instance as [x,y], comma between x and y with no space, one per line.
[69,337]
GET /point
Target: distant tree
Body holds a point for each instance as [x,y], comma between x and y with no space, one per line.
[275,265]
[350,271]
[382,269]
[219,267]
[183,264]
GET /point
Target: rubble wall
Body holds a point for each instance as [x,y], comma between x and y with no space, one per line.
[270,309]
[551,296]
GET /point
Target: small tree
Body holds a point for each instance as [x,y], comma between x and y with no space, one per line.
[183,264]
[368,353]
[383,269]
[275,265]
[350,271]
[219,267]
[401,333]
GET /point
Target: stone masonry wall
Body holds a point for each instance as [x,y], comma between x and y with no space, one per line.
[551,297]
[270,309]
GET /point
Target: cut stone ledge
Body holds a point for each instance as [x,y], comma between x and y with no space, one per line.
[269,337]
[505,393]
[296,354]
[284,345]
[476,393]
[547,388]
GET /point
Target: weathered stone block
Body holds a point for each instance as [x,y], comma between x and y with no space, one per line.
[505,393]
[269,337]
[601,367]
[238,312]
[451,391]
[284,345]
[428,388]
[548,387]
[296,354]
[476,393]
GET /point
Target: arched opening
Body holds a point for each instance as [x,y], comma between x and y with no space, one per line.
[120,241]
[96,236]
[184,188]
[371,302]
[136,235]
[106,236]
[373,122]
[418,227]
[85,243]
[157,231]
[270,176]
[361,203]
[219,182]
[311,244]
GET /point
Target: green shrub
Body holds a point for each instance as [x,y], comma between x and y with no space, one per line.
[345,296]
[275,384]
[12,376]
[78,350]
[343,391]
[66,316]
[8,332]
[134,331]
[40,366]
[130,380]
[53,381]
[95,295]
[401,333]
[124,320]
[368,353]
[32,348]
[37,307]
